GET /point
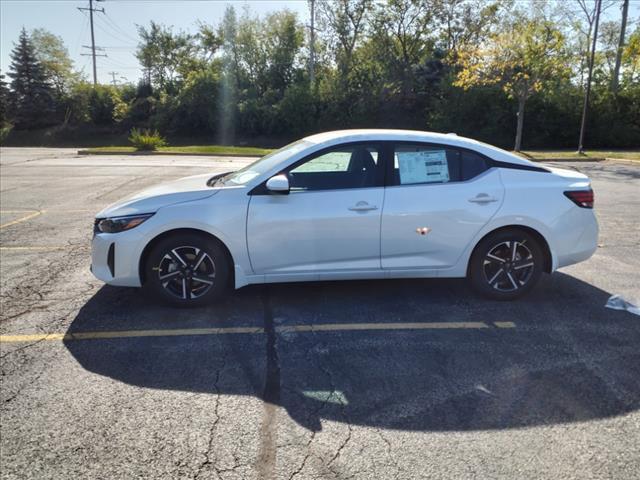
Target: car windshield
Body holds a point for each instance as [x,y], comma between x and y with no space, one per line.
[264,164]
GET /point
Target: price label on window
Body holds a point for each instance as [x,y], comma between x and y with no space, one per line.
[426,166]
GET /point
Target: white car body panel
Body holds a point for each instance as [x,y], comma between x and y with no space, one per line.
[443,208]
[312,232]
[151,199]
[314,236]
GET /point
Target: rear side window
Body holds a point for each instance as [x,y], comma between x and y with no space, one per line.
[426,164]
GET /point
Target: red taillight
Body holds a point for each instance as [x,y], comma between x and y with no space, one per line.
[582,198]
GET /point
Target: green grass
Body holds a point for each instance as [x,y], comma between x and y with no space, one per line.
[542,155]
[200,149]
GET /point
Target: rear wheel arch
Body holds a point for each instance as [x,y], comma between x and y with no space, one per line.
[181,231]
[542,242]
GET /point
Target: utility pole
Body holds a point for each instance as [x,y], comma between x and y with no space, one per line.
[312,44]
[585,107]
[93,40]
[623,27]
[113,76]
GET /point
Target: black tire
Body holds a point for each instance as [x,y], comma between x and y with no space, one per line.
[499,273]
[171,277]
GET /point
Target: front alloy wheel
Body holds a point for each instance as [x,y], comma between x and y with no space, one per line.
[506,264]
[187,270]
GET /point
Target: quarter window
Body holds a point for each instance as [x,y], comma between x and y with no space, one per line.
[426,164]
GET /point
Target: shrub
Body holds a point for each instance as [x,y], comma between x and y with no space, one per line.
[4,133]
[146,139]
[102,105]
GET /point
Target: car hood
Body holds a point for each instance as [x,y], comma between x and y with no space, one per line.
[152,199]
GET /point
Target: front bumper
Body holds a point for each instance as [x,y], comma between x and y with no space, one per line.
[115,259]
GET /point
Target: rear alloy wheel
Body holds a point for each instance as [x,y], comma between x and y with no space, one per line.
[506,265]
[187,270]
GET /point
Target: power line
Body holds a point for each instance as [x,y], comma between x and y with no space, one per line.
[108,30]
[93,40]
[118,28]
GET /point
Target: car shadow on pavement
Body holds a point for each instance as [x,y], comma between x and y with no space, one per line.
[563,358]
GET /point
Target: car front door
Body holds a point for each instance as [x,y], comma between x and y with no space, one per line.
[438,198]
[328,222]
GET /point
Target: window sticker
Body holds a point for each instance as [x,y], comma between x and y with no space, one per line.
[426,166]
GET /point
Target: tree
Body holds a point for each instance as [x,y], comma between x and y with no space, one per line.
[401,31]
[31,97]
[465,22]
[620,49]
[631,58]
[210,41]
[283,40]
[4,101]
[55,60]
[608,36]
[582,14]
[344,20]
[167,57]
[522,58]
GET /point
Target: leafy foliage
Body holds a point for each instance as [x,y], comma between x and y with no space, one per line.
[464,66]
[523,58]
[54,58]
[146,140]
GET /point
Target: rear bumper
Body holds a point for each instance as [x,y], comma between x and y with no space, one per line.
[579,238]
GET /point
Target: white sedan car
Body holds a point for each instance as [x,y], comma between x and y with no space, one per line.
[354,204]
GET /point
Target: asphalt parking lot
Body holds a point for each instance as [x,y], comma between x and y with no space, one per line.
[370,379]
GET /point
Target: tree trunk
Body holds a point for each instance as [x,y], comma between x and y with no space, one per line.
[623,27]
[518,145]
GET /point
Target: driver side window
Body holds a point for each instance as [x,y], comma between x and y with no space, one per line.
[342,167]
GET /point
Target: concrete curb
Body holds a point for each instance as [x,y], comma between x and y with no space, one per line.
[186,154]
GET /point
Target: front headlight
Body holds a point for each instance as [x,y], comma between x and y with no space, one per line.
[120,224]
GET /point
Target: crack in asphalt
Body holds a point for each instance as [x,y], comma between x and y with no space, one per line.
[394,460]
[271,395]
[26,294]
[207,454]
[315,413]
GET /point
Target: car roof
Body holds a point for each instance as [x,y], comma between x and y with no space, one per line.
[377,133]
[340,136]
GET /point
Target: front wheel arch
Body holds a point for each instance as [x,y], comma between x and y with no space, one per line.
[542,242]
[181,231]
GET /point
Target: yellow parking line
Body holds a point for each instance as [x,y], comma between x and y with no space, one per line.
[23,219]
[505,324]
[54,210]
[127,334]
[247,330]
[327,327]
[41,248]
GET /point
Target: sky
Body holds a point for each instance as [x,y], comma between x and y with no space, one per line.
[115,30]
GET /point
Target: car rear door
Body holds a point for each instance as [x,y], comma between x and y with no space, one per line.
[330,220]
[436,200]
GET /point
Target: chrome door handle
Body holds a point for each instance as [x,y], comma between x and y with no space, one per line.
[362,207]
[483,198]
